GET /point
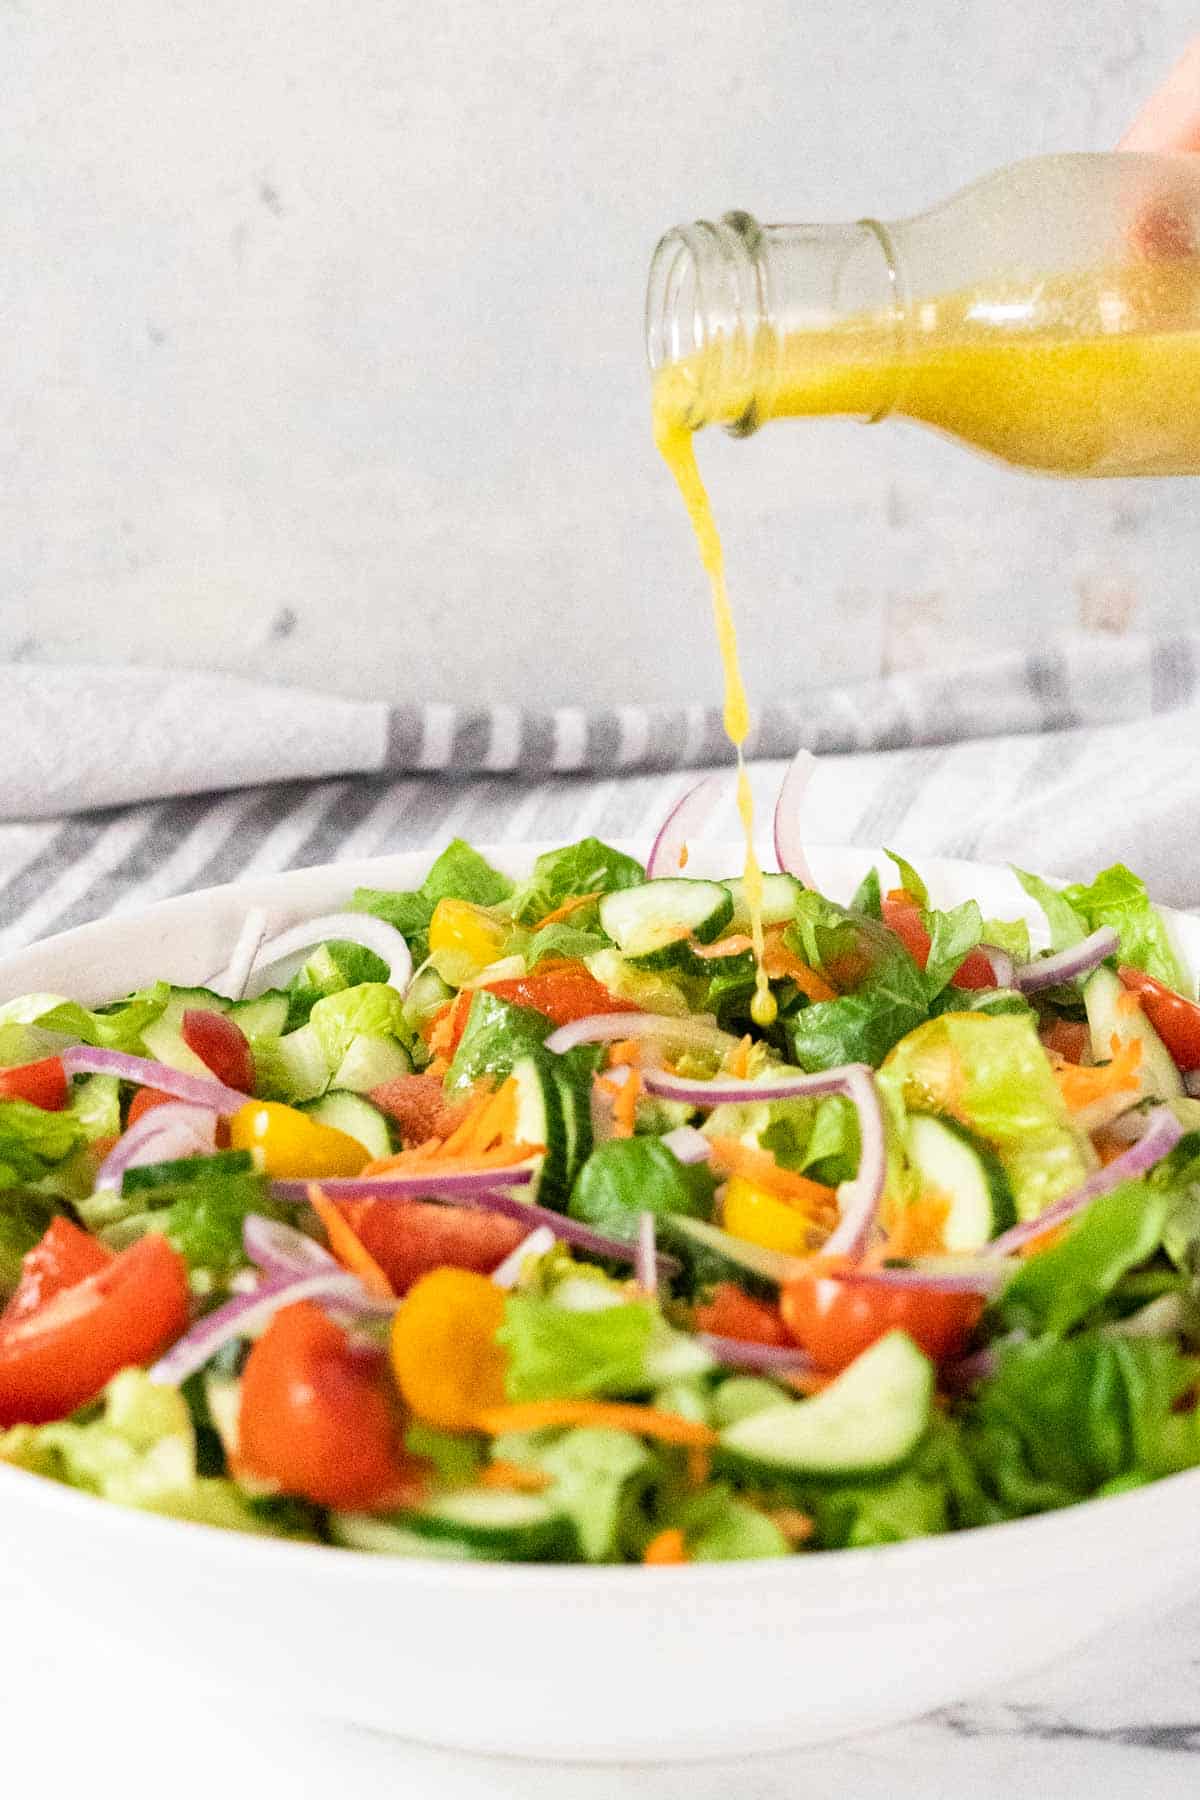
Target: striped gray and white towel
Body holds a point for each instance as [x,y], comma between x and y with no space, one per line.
[81,738]
[1063,801]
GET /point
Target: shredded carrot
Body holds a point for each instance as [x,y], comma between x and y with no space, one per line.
[795,1525]
[482,1139]
[1127,1003]
[918,1229]
[737,1063]
[684,853]
[514,1477]
[667,1547]
[735,1158]
[571,905]
[779,961]
[492,1117]
[625,1105]
[699,1465]
[424,1161]
[1045,1240]
[1080,1085]
[626,1052]
[730,946]
[349,1248]
[618,1415]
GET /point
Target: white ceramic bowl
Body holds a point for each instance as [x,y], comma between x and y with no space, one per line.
[577,1663]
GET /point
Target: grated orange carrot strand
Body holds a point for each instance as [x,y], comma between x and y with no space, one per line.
[514,1477]
[571,905]
[735,1158]
[666,1547]
[348,1247]
[737,1063]
[619,1415]
[1081,1084]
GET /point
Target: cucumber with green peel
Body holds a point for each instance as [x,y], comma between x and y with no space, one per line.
[350,1114]
[164,1038]
[369,1062]
[870,1419]
[493,1522]
[1110,1015]
[541,1120]
[780,894]
[426,995]
[961,1169]
[186,1169]
[292,1068]
[386,1537]
[651,924]
[264,1016]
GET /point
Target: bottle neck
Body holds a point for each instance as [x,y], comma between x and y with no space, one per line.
[747,322]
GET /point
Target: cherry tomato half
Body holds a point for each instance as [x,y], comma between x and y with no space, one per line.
[1176,1020]
[836,1320]
[410,1239]
[54,1358]
[730,1312]
[564,994]
[42,1083]
[64,1256]
[221,1046]
[903,916]
[318,1415]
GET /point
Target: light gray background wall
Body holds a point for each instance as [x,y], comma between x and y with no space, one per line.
[320,339]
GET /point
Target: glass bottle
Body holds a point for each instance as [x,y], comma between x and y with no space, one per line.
[1048,315]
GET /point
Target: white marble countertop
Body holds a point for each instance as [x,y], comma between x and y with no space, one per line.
[1122,1718]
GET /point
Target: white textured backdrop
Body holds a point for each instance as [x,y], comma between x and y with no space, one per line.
[320,339]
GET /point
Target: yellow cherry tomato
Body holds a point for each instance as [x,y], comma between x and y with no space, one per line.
[292,1147]
[467,932]
[761,1217]
[447,1362]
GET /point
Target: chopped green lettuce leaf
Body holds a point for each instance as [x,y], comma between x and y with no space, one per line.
[625,1177]
[96,1107]
[456,1459]
[566,940]
[1067,927]
[1009,934]
[372,1008]
[34,1142]
[331,968]
[868,896]
[459,873]
[601,1480]
[952,937]
[588,867]
[990,1072]
[720,1527]
[910,881]
[1118,897]
[557,1352]
[139,1451]
[887,996]
[23,1222]
[116,1027]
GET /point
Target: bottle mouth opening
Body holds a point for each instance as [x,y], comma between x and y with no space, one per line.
[676,322]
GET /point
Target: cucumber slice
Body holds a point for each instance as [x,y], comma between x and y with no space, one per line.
[384,1537]
[369,1062]
[265,1016]
[1158,1077]
[780,893]
[164,1038]
[868,1420]
[651,924]
[427,994]
[739,1253]
[186,1169]
[540,1120]
[291,1068]
[964,1170]
[491,1522]
[575,1094]
[351,1114]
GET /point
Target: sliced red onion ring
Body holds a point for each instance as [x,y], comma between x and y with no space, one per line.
[611,1028]
[1004,969]
[762,1359]
[354,928]
[164,1134]
[789,844]
[233,977]
[645,1262]
[195,1090]
[1163,1131]
[246,1313]
[536,1244]
[938,1275]
[281,1251]
[458,1184]
[1067,965]
[858,1199]
[686,819]
[687,1145]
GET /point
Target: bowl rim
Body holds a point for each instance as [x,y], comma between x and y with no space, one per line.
[1018,1547]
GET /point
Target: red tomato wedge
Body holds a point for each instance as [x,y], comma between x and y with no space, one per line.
[1176,1020]
[319,1417]
[836,1320]
[42,1083]
[54,1358]
[222,1047]
[407,1238]
[64,1256]
[731,1313]
[903,916]
[564,993]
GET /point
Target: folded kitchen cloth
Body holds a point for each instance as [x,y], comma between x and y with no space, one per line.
[78,738]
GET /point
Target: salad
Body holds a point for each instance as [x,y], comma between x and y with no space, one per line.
[481,1221]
